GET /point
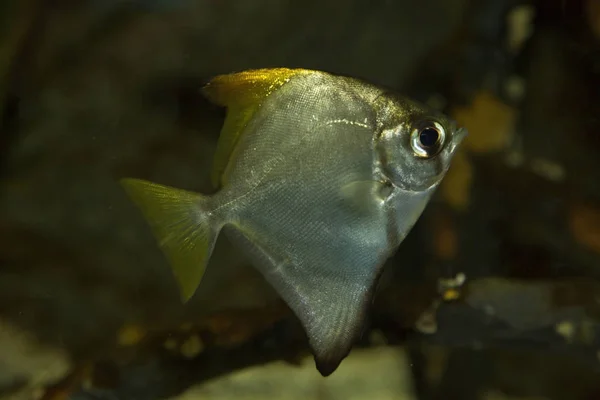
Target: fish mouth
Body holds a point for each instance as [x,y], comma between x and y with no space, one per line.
[460,134]
[457,138]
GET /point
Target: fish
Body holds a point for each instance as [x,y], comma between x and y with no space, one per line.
[318,178]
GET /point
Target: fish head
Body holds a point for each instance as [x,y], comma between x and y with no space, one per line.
[414,144]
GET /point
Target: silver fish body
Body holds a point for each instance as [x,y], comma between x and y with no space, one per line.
[320,187]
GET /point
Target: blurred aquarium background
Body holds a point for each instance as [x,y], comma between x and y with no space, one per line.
[495,294]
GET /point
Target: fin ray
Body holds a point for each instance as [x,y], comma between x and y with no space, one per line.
[331,309]
[242,94]
[181,226]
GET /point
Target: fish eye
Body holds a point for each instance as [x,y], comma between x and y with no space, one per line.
[427,139]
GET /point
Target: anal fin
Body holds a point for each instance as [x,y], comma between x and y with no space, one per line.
[331,308]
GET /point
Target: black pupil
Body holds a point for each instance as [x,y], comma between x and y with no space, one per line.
[429,137]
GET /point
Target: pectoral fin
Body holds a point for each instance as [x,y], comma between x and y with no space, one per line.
[242,94]
[365,197]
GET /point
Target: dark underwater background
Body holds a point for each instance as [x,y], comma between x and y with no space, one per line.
[494,295]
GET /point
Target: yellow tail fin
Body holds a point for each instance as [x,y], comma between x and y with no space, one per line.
[181,226]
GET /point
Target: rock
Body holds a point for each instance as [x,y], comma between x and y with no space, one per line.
[26,365]
[374,373]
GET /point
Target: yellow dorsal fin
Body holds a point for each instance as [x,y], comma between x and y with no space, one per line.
[242,94]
